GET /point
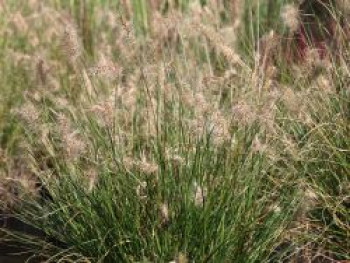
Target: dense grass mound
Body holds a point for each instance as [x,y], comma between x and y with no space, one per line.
[176,131]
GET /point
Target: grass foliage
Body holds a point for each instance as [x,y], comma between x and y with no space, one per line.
[157,131]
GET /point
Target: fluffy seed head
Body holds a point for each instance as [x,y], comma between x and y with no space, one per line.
[71,43]
[164,213]
[72,144]
[173,157]
[105,112]
[257,145]
[290,17]
[220,128]
[218,43]
[147,167]
[92,179]
[108,71]
[292,101]
[28,113]
[243,113]
[20,23]
[199,195]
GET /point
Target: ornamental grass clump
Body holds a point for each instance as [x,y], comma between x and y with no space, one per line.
[173,131]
